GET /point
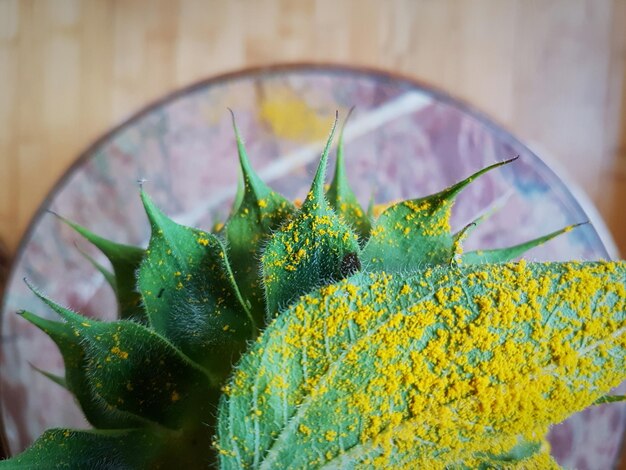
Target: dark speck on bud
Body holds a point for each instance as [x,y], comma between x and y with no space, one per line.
[350,264]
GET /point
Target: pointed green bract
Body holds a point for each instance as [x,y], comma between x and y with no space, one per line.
[241,185]
[134,370]
[382,369]
[125,260]
[342,199]
[57,379]
[503,255]
[128,449]
[488,212]
[98,412]
[610,399]
[190,295]
[416,232]
[109,277]
[102,450]
[457,242]
[314,248]
[258,211]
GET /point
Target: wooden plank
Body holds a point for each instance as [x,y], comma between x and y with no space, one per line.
[71,69]
[9,17]
[611,199]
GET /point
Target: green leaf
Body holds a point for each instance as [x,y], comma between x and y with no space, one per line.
[102,450]
[190,295]
[314,248]
[383,370]
[258,211]
[416,232]
[125,260]
[502,255]
[131,370]
[98,412]
[342,198]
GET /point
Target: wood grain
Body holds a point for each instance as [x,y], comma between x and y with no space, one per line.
[552,71]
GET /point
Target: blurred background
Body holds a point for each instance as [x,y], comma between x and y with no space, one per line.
[550,71]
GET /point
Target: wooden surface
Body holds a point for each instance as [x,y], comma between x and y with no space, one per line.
[550,71]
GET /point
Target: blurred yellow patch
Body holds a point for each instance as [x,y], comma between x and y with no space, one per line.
[291,118]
